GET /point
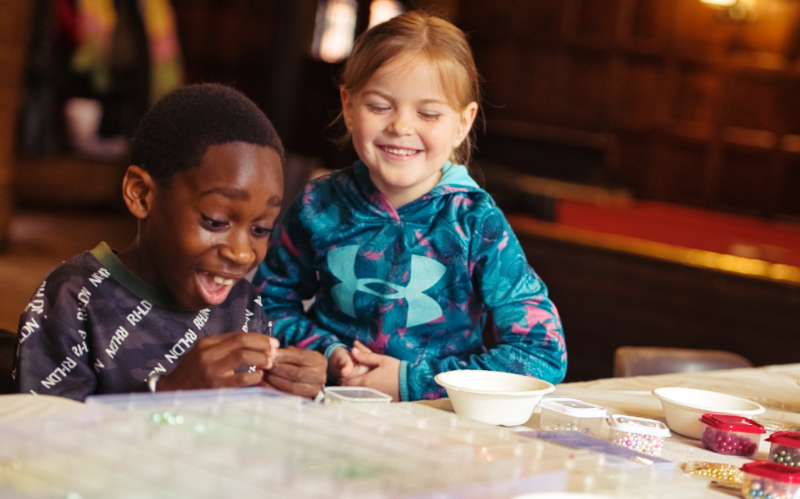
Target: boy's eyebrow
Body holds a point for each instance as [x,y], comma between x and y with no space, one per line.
[238,194]
[228,192]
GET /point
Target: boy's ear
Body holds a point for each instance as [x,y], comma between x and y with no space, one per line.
[138,191]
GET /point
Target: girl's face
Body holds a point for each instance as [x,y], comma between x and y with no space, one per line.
[404,128]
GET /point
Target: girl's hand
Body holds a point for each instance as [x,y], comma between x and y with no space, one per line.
[342,365]
[383,374]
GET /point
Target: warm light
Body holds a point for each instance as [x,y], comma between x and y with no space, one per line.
[739,10]
[719,3]
[383,10]
[335,29]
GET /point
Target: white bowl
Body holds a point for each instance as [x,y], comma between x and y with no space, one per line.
[493,397]
[683,407]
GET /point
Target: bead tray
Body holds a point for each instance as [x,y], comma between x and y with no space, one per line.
[258,443]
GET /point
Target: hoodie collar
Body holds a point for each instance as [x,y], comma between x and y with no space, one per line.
[455,178]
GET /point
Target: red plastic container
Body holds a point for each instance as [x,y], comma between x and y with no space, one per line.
[762,479]
[732,435]
[785,448]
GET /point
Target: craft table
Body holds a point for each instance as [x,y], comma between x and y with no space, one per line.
[774,387]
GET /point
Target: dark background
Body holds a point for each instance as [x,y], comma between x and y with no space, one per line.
[661,100]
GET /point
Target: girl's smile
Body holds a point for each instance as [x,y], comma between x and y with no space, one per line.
[404,128]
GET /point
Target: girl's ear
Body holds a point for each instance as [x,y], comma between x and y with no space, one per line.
[466,120]
[347,111]
[138,191]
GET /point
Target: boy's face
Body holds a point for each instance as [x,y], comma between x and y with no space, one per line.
[210,227]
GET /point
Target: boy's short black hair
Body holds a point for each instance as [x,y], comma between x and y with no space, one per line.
[176,132]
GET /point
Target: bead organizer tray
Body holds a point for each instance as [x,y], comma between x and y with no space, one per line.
[257,443]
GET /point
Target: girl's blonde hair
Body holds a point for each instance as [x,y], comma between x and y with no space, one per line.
[430,37]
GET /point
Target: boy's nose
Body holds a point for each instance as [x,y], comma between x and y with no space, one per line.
[238,251]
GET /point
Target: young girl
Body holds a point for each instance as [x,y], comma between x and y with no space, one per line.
[404,254]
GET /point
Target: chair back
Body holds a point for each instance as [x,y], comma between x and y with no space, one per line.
[7,341]
[641,361]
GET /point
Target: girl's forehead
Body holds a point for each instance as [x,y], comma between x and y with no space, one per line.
[408,61]
[408,73]
[443,76]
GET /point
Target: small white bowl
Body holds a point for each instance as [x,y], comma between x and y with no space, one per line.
[493,397]
[683,407]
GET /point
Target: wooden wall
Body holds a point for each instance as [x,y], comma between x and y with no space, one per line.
[686,106]
[609,298]
[14,29]
[661,97]
[234,42]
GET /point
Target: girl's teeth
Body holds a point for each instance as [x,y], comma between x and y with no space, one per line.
[402,152]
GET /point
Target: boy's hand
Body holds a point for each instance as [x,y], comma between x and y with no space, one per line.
[383,375]
[298,371]
[213,362]
[342,365]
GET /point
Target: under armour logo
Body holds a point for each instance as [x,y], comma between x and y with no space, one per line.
[425,272]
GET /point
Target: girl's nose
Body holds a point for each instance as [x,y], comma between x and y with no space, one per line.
[238,250]
[401,125]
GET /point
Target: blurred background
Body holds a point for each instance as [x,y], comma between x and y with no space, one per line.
[646,152]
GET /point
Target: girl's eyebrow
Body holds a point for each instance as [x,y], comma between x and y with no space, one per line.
[389,98]
[377,93]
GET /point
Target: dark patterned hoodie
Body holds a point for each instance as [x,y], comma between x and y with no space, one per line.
[95,327]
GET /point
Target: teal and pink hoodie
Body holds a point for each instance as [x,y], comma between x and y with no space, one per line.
[416,283]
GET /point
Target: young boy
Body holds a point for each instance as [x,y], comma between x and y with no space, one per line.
[174,310]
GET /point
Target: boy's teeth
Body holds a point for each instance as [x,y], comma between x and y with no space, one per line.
[222,280]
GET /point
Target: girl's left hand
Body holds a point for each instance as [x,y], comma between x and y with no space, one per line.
[384,373]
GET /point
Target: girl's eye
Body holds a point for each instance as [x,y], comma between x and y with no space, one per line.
[261,231]
[214,225]
[375,108]
[430,116]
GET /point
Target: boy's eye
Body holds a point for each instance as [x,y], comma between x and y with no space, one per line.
[259,231]
[214,225]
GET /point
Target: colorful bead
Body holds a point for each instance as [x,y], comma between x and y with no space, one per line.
[167,417]
[724,474]
[785,455]
[762,488]
[730,443]
[646,444]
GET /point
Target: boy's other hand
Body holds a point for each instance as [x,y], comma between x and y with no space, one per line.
[223,361]
[383,375]
[298,371]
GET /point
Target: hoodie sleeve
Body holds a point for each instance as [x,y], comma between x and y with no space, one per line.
[286,278]
[51,351]
[526,324]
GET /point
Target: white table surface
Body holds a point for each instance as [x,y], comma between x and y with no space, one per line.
[777,388]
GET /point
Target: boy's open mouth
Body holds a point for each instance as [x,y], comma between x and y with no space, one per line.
[214,289]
